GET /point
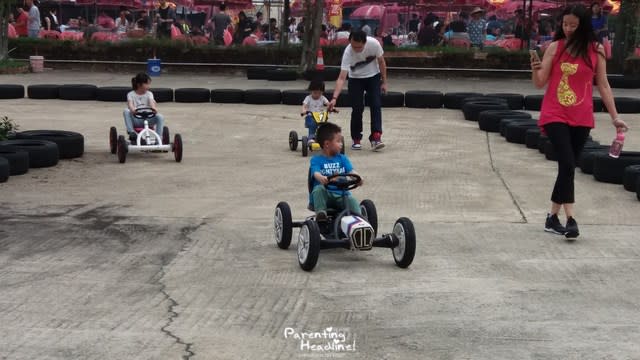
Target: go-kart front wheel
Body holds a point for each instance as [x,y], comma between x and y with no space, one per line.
[369,212]
[404,231]
[282,225]
[308,245]
[293,140]
[123,149]
[177,147]
[166,136]
[305,146]
[113,140]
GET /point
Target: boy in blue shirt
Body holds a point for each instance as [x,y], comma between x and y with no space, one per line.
[330,162]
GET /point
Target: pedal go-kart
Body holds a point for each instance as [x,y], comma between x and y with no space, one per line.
[147,139]
[344,230]
[319,117]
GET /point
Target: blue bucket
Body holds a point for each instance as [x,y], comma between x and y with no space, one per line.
[153,67]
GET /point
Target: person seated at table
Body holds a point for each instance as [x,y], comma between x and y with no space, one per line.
[428,36]
[183,26]
[252,39]
[122,24]
[105,22]
[494,34]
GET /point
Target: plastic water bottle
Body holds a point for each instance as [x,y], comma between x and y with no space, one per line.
[616,145]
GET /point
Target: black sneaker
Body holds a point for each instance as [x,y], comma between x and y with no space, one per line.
[321,216]
[553,225]
[572,229]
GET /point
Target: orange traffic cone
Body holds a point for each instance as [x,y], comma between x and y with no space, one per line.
[320,62]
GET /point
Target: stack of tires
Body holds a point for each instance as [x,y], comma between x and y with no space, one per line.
[37,149]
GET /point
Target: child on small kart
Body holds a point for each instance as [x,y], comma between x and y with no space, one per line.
[141,97]
[329,162]
[314,102]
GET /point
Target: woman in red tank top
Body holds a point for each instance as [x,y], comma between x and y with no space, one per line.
[568,68]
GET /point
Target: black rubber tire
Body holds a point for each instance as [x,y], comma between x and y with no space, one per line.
[630,177]
[516,132]
[410,243]
[533,102]
[42,153]
[5,170]
[483,98]
[609,170]
[293,140]
[597,104]
[328,74]
[113,140]
[471,110]
[550,152]
[531,138]
[177,147]
[343,149]
[624,82]
[262,96]
[258,73]
[391,99]
[78,92]
[192,95]
[506,121]
[489,120]
[587,158]
[453,100]
[18,159]
[44,91]
[343,100]
[638,190]
[542,140]
[305,146]
[11,91]
[282,75]
[284,240]
[515,101]
[421,99]
[294,97]
[314,246]
[112,93]
[626,105]
[368,209]
[122,149]
[70,144]
[166,136]
[161,95]
[227,96]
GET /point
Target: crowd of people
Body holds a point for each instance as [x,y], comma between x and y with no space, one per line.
[465,29]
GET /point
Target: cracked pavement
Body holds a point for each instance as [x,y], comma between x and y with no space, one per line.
[157,260]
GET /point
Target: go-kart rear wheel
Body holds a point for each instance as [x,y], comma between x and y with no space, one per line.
[177,147]
[368,210]
[308,245]
[166,136]
[113,140]
[305,146]
[123,149]
[282,225]
[404,231]
[293,140]
[342,149]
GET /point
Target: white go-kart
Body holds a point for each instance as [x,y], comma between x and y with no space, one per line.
[146,139]
[343,229]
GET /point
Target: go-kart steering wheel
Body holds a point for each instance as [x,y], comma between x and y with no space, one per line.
[350,181]
[144,113]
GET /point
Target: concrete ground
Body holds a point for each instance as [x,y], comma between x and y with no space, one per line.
[157,260]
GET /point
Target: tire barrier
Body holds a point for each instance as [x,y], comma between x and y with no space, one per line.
[18,159]
[70,144]
[44,91]
[227,96]
[42,153]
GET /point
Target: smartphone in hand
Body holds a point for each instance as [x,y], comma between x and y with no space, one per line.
[534,55]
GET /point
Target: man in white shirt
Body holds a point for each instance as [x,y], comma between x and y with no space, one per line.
[363,62]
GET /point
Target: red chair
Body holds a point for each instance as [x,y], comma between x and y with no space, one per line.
[49,34]
[72,35]
[105,37]
[200,40]
[460,43]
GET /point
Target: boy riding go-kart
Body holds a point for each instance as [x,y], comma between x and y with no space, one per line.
[339,222]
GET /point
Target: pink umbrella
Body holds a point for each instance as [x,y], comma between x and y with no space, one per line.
[368,12]
[538,5]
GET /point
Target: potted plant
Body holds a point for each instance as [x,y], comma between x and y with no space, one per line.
[7,128]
